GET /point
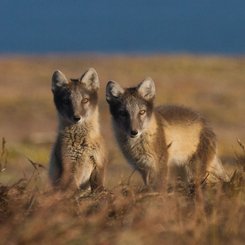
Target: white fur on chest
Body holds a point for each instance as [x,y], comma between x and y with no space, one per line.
[83,143]
[138,151]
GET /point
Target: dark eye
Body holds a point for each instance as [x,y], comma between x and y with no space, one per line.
[85,100]
[142,112]
[123,113]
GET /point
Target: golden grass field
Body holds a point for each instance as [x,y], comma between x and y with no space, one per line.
[30,213]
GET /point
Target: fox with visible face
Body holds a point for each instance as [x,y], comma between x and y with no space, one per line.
[161,140]
[78,155]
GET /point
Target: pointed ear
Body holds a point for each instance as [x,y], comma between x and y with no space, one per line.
[146,89]
[90,79]
[113,91]
[58,80]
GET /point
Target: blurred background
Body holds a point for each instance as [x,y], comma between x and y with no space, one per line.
[139,26]
[194,50]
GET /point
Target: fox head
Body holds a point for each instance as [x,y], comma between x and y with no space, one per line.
[75,99]
[131,108]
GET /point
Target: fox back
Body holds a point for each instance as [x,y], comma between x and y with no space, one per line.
[78,155]
[157,140]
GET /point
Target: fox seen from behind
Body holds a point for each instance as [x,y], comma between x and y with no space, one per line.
[78,155]
[162,140]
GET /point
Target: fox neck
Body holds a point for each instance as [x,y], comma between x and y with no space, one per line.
[91,123]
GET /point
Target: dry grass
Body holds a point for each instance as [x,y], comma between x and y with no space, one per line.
[123,214]
[32,213]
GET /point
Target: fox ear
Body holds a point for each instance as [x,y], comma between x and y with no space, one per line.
[146,89]
[90,79]
[58,80]
[113,91]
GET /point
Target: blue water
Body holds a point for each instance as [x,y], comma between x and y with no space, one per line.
[125,26]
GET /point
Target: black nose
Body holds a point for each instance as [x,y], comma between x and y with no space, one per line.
[134,133]
[76,118]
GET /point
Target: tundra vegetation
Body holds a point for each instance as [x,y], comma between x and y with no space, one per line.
[30,212]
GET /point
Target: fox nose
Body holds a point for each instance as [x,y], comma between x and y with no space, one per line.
[76,118]
[134,133]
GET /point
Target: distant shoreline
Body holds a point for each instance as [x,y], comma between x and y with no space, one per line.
[115,55]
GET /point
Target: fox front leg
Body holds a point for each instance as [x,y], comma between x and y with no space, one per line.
[55,171]
[97,179]
[171,177]
[152,179]
[67,178]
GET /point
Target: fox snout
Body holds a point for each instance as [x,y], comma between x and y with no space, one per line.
[134,133]
[76,118]
[134,126]
[76,111]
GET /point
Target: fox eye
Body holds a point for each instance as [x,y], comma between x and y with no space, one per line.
[85,100]
[142,112]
